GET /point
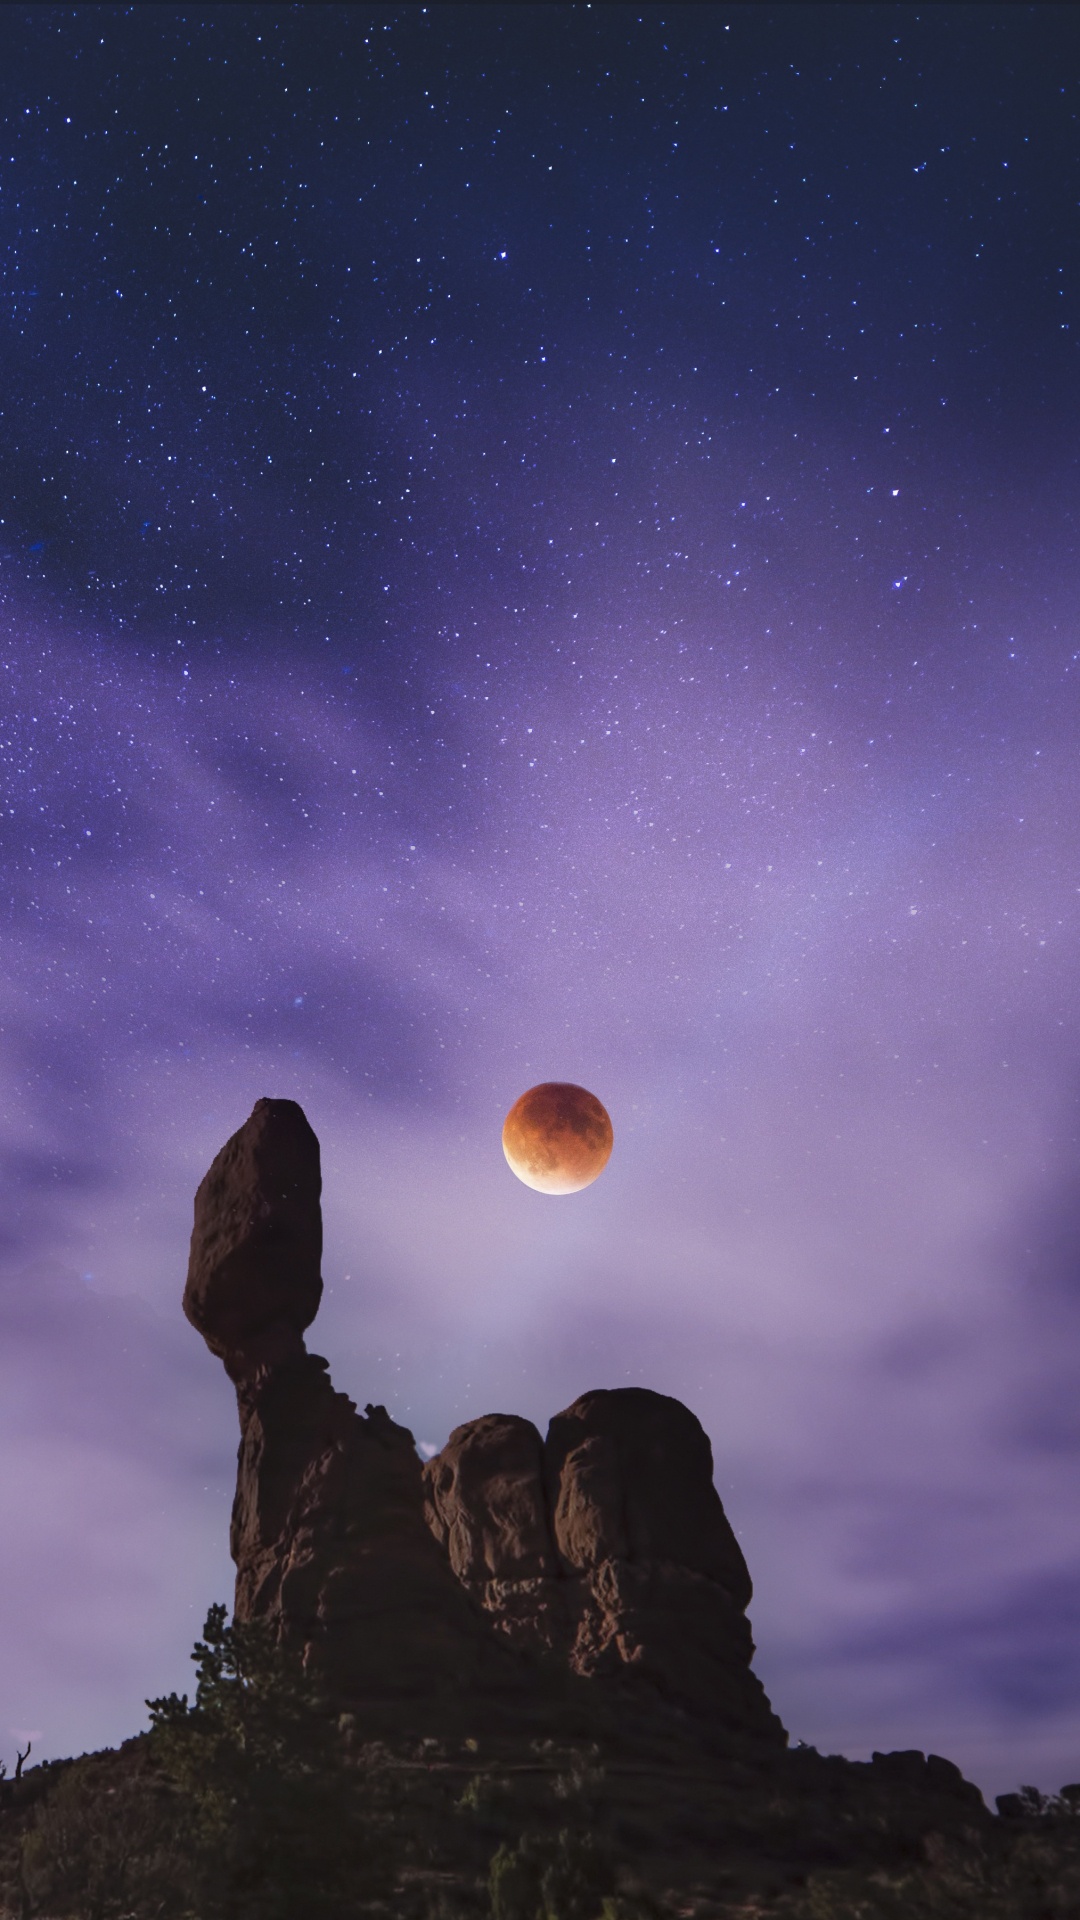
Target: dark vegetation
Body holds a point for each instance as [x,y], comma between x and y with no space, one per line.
[254,1802]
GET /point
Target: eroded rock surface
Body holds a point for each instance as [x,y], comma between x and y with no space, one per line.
[487,1502]
[508,1561]
[607,1547]
[638,1521]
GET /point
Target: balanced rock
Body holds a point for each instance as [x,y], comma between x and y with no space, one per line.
[509,1569]
[328,1529]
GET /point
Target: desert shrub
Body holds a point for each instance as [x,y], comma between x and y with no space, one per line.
[108,1840]
[549,1877]
[582,1781]
[277,1817]
[485,1800]
[514,1883]
[1022,1875]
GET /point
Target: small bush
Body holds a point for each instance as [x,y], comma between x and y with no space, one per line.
[106,1843]
[275,1812]
[564,1877]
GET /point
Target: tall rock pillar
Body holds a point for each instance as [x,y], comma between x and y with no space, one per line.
[328,1529]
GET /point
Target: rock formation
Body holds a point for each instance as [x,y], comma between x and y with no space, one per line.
[328,1530]
[599,1555]
[605,1547]
[537,1655]
[254,1275]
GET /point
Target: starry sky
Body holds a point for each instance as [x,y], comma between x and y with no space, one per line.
[539,542]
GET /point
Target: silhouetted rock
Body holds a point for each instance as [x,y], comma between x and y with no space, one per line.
[607,1547]
[664,1585]
[328,1529]
[488,1505]
[633,1471]
[254,1281]
[602,1552]
[532,1641]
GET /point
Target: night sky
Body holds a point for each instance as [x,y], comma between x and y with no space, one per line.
[539,542]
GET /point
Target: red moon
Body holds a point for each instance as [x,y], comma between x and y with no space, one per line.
[557,1138]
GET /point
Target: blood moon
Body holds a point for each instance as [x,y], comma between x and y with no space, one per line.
[557,1138]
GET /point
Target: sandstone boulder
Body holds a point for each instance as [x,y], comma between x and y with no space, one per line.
[633,1471]
[254,1280]
[663,1585]
[487,1503]
[606,1549]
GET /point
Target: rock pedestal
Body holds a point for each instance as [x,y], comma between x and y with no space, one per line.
[328,1530]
